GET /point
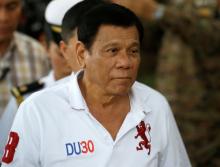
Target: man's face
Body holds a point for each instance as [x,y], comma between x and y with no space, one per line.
[113,60]
[10,11]
[59,64]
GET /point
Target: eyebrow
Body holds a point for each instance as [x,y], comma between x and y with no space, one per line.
[13,1]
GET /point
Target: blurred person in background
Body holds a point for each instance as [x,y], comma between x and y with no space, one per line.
[32,19]
[70,23]
[22,59]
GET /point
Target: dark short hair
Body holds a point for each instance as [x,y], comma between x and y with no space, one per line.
[106,14]
[73,16]
[51,35]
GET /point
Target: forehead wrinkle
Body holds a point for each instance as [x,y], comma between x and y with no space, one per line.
[116,42]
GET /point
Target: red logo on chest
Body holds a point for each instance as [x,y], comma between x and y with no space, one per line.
[142,130]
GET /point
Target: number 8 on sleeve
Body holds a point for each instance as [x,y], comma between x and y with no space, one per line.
[10,147]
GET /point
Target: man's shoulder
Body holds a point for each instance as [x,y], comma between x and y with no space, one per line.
[32,52]
[50,94]
[149,95]
[23,39]
[145,90]
[20,92]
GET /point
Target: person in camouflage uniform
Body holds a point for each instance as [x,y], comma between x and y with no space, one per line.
[188,72]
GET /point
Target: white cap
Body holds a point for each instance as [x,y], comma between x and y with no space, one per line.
[56,10]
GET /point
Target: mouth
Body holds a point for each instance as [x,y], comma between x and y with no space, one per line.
[123,78]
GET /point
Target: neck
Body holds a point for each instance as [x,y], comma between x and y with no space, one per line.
[57,76]
[109,110]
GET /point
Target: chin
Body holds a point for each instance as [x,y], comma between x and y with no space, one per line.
[121,92]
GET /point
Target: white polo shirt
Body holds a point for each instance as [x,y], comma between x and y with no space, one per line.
[54,128]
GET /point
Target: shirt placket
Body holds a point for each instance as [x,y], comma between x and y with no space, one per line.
[104,134]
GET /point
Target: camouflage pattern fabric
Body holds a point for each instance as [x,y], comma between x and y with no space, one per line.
[188,73]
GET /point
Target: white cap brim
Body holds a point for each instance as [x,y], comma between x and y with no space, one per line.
[56,10]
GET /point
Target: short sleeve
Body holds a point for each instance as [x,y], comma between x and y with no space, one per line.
[174,153]
[6,122]
[24,139]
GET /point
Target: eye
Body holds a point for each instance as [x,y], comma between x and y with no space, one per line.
[112,50]
[12,6]
[134,51]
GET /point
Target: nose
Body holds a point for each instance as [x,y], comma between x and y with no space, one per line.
[124,60]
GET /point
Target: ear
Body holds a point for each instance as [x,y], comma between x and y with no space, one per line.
[81,54]
[63,48]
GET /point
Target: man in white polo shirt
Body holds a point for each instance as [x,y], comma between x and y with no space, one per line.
[101,117]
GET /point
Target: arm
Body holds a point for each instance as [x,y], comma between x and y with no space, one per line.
[6,123]
[174,152]
[24,146]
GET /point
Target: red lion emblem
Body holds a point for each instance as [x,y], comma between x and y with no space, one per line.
[145,143]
